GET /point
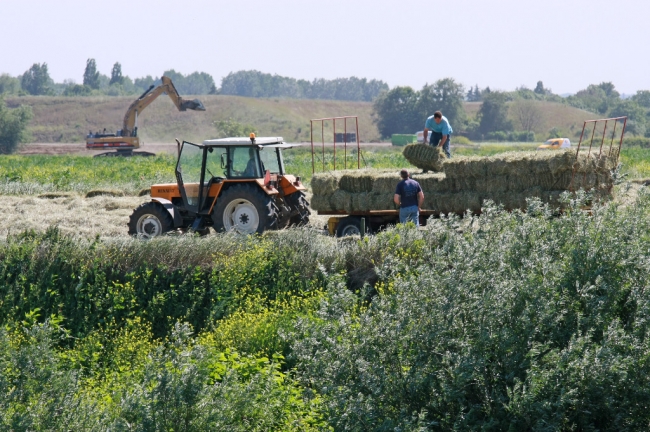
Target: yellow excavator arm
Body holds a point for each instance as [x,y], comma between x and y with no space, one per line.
[129,127]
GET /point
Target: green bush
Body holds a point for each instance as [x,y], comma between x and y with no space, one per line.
[635,141]
[13,126]
[509,321]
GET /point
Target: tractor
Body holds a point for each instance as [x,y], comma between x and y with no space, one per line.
[237,184]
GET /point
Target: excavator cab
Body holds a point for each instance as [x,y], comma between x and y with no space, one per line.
[228,184]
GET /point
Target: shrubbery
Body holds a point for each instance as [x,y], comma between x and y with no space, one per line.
[507,321]
[512,136]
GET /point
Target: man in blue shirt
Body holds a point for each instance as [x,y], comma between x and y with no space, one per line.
[409,197]
[440,130]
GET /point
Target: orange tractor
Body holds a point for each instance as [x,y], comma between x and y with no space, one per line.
[228,184]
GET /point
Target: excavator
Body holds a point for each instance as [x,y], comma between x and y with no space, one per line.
[125,140]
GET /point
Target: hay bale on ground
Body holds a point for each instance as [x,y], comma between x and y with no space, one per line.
[55,195]
[425,156]
[105,192]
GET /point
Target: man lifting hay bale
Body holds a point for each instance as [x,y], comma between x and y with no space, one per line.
[425,157]
[440,130]
[409,197]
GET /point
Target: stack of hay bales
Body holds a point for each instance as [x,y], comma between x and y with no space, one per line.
[467,182]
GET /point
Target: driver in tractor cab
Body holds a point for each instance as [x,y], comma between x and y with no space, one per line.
[251,169]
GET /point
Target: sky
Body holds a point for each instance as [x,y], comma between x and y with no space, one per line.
[503,44]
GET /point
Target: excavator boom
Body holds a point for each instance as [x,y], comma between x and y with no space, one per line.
[126,139]
[131,116]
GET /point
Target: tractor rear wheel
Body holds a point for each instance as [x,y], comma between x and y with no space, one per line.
[299,209]
[150,220]
[245,209]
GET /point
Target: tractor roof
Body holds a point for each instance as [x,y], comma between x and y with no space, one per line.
[243,141]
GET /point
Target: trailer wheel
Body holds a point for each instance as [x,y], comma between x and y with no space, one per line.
[350,225]
[150,220]
[246,209]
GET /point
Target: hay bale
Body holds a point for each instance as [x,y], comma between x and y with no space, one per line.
[453,202]
[55,195]
[321,203]
[341,200]
[362,180]
[386,182]
[494,184]
[361,201]
[104,192]
[382,201]
[474,167]
[425,156]
[325,183]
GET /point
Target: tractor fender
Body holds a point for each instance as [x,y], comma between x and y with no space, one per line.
[171,208]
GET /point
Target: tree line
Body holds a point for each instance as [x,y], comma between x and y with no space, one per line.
[502,116]
[37,81]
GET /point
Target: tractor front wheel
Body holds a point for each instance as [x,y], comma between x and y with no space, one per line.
[245,209]
[150,220]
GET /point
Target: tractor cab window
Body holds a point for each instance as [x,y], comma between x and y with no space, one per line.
[244,163]
[189,171]
[189,163]
[270,160]
[216,163]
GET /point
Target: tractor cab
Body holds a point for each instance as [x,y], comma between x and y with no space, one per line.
[229,184]
[201,168]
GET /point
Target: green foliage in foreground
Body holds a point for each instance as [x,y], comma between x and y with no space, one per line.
[507,321]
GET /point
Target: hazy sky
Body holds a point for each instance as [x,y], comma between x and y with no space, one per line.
[567,44]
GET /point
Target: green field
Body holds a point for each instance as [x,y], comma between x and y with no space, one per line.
[29,175]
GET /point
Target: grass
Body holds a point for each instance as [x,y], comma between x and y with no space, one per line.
[567,119]
[68,120]
[34,175]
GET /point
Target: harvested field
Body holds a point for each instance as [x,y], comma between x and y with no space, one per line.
[468,181]
[102,215]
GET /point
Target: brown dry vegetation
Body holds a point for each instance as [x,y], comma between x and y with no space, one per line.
[73,214]
[68,119]
[102,216]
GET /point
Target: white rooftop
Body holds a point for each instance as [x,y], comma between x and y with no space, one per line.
[243,141]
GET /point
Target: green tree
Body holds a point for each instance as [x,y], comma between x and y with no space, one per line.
[77,90]
[91,75]
[642,97]
[445,95]
[493,114]
[116,74]
[596,98]
[9,84]
[13,126]
[635,113]
[539,88]
[395,111]
[232,128]
[36,80]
